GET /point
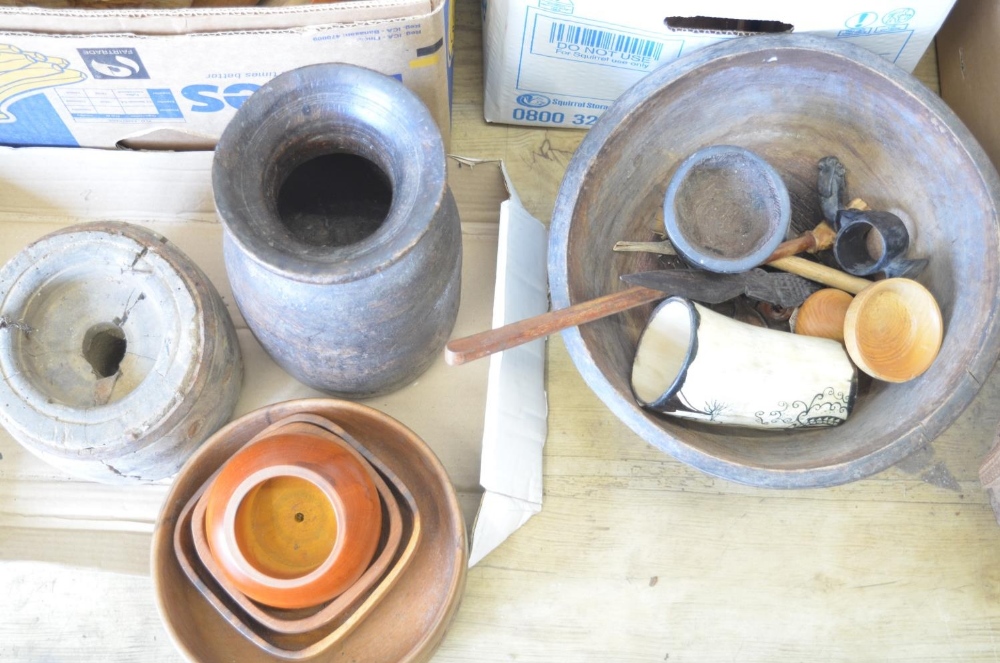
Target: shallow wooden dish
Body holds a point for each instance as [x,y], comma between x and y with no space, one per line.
[792,99]
[315,531]
[392,556]
[300,634]
[409,622]
[892,330]
[394,552]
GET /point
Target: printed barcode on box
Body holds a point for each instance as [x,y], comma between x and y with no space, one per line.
[608,40]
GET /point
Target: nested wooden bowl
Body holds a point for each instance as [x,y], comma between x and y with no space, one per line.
[792,99]
[320,626]
[405,624]
[726,209]
[892,330]
[324,624]
[304,634]
[822,314]
[293,519]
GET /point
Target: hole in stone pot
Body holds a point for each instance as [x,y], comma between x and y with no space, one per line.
[334,200]
[286,527]
[104,348]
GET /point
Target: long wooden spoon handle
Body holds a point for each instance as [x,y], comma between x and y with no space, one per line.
[822,274]
[461,350]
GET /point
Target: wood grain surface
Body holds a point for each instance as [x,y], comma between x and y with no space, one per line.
[635,556]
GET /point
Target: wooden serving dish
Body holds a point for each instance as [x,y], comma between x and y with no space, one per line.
[294,518]
[291,635]
[393,554]
[409,619]
[792,99]
[893,330]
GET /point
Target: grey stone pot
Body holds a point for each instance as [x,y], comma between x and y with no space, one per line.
[117,355]
[342,239]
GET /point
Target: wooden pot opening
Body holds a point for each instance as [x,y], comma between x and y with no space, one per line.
[334,199]
[104,347]
[893,330]
[286,527]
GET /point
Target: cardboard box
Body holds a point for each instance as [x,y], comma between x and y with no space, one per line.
[968,50]
[561,63]
[176,77]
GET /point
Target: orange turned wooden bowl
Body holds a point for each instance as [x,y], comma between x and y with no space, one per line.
[293,520]
[822,314]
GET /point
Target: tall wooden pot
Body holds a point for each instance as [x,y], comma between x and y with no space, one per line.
[342,240]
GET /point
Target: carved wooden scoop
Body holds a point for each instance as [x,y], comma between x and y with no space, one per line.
[461,350]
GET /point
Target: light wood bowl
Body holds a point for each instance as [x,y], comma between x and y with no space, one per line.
[893,330]
[822,314]
[303,634]
[409,621]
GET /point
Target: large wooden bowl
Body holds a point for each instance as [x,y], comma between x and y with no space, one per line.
[792,99]
[406,625]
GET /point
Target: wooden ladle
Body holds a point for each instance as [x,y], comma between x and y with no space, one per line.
[461,350]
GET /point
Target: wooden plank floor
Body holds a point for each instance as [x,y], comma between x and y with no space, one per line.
[635,556]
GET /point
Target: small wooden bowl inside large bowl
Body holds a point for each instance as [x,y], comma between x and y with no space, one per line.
[791,99]
[892,330]
[293,520]
[409,621]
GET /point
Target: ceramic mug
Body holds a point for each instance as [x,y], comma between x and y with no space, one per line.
[697,364]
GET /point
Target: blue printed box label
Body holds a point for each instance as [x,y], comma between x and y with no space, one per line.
[98,104]
[113,63]
[607,58]
[886,34]
[602,44]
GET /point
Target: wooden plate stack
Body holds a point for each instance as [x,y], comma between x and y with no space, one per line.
[405,592]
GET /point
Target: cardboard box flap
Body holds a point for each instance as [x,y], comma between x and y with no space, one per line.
[207,20]
[100,78]
[516,408]
[562,63]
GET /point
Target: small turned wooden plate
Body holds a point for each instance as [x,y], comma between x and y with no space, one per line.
[392,556]
[410,620]
[294,518]
[893,330]
[292,635]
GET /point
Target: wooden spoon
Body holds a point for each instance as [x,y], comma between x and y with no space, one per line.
[461,350]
